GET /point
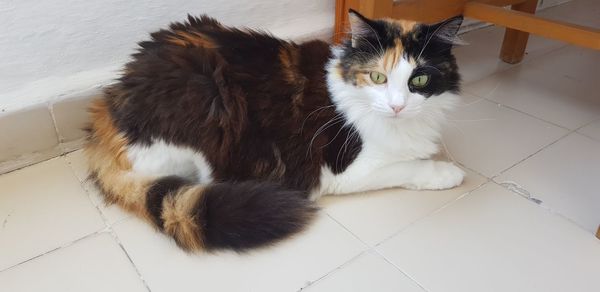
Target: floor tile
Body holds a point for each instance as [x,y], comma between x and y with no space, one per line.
[545,89]
[592,130]
[489,138]
[78,163]
[42,207]
[576,64]
[564,177]
[495,240]
[390,210]
[480,57]
[95,263]
[582,12]
[369,272]
[288,266]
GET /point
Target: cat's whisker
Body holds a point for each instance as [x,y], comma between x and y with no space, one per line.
[430,37]
[313,112]
[354,135]
[471,103]
[487,95]
[333,139]
[378,51]
[456,127]
[324,127]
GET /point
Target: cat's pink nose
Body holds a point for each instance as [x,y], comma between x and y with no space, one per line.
[397,108]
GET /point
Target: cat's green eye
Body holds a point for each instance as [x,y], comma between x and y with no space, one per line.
[377,77]
[420,81]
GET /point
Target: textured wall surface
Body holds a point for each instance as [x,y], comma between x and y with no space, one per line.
[53,48]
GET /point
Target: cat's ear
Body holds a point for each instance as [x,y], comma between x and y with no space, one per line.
[360,27]
[446,31]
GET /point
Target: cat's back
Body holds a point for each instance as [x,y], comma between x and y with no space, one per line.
[201,46]
[198,74]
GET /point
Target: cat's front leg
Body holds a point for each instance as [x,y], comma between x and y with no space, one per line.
[415,174]
[434,175]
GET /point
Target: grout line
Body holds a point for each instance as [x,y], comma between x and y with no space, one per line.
[137,271]
[36,162]
[432,213]
[11,170]
[368,248]
[510,66]
[487,95]
[586,124]
[526,192]
[525,113]
[59,137]
[106,228]
[486,98]
[348,262]
[107,223]
[65,245]
[546,207]
[493,178]
[523,62]
[472,170]
[373,248]
[400,269]
[87,192]
[348,230]
[586,135]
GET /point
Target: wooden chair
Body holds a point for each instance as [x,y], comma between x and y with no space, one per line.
[519,21]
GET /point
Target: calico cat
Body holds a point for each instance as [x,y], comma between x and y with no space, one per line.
[223,138]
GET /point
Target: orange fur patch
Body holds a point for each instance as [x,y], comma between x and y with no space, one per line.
[107,159]
[392,56]
[362,79]
[179,219]
[406,25]
[192,39]
[288,56]
[106,153]
[106,135]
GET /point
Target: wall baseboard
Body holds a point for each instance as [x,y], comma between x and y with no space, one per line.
[43,131]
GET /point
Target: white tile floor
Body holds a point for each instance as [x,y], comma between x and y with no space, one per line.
[524,220]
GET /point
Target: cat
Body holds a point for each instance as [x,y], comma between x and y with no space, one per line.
[223,138]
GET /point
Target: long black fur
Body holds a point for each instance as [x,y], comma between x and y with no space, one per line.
[246,215]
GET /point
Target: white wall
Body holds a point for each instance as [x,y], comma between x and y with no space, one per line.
[53,48]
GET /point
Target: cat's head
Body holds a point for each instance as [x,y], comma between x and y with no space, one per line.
[394,69]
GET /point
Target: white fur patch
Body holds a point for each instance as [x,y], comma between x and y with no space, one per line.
[163,159]
[395,148]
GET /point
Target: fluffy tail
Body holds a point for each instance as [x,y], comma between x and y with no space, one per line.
[226,215]
[235,216]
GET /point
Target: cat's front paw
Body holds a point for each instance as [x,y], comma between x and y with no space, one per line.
[443,175]
[446,175]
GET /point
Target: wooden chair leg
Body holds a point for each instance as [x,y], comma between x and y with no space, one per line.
[598,232]
[376,8]
[515,42]
[341,8]
[368,8]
